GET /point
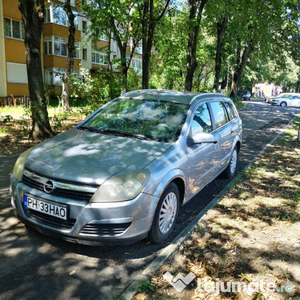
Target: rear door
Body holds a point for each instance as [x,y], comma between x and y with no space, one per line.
[223,127]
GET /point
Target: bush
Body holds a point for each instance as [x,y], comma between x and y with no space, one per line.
[94,91]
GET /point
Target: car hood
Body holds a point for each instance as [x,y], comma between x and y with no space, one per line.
[87,157]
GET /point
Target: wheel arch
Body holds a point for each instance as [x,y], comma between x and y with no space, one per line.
[176,176]
[238,145]
[181,187]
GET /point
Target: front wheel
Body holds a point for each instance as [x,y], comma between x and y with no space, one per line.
[230,171]
[283,104]
[165,215]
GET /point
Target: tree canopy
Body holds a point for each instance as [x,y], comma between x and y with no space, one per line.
[201,45]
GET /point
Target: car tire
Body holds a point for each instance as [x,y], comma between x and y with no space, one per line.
[230,170]
[165,215]
[283,104]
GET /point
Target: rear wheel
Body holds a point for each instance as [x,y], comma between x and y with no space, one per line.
[165,215]
[230,171]
[283,104]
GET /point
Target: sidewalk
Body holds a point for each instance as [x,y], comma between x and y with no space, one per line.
[250,238]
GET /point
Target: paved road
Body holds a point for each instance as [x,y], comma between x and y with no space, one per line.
[34,266]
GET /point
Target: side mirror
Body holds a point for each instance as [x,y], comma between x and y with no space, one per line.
[203,138]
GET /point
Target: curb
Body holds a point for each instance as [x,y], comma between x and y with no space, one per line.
[184,235]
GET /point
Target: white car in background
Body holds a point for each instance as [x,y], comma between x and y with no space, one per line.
[287,99]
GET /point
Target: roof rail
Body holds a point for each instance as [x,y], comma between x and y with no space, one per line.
[206,94]
[140,91]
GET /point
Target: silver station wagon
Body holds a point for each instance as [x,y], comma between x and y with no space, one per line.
[123,173]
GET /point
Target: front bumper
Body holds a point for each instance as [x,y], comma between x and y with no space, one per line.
[87,223]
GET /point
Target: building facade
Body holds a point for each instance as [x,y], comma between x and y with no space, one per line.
[92,56]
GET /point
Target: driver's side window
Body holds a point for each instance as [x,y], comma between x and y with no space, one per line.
[201,121]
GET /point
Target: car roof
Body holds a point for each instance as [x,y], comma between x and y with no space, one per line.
[170,95]
[288,94]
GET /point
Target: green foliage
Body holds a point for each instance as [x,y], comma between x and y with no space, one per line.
[7,119]
[121,18]
[146,286]
[94,91]
[134,81]
[57,122]
[25,126]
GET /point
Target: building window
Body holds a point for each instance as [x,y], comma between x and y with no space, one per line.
[84,54]
[59,15]
[136,63]
[16,73]
[75,13]
[55,13]
[54,45]
[47,18]
[13,29]
[53,76]
[7,27]
[60,46]
[84,25]
[48,50]
[76,52]
[100,58]
[48,77]
[104,37]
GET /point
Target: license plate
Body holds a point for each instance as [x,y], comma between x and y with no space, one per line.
[45,207]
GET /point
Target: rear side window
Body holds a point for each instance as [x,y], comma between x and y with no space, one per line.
[230,110]
[219,113]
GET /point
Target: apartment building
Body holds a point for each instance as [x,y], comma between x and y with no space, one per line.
[92,56]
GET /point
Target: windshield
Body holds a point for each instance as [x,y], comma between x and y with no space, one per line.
[140,118]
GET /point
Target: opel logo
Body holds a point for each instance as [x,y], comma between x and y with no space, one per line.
[49,187]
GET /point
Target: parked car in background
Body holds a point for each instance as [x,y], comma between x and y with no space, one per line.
[124,172]
[286,99]
[245,94]
[270,99]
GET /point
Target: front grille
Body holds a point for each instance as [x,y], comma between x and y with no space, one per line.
[49,220]
[104,229]
[71,194]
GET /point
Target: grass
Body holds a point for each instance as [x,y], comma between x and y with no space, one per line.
[17,112]
[15,125]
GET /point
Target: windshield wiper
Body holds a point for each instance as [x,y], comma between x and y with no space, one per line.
[114,132]
[123,133]
[90,128]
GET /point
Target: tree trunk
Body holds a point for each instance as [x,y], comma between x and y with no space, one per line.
[195,16]
[147,45]
[221,27]
[236,72]
[149,22]
[70,61]
[124,64]
[33,16]
[224,82]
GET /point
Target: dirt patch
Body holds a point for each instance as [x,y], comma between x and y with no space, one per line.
[14,132]
[250,239]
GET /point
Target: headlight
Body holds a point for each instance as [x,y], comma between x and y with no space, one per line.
[123,187]
[19,165]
